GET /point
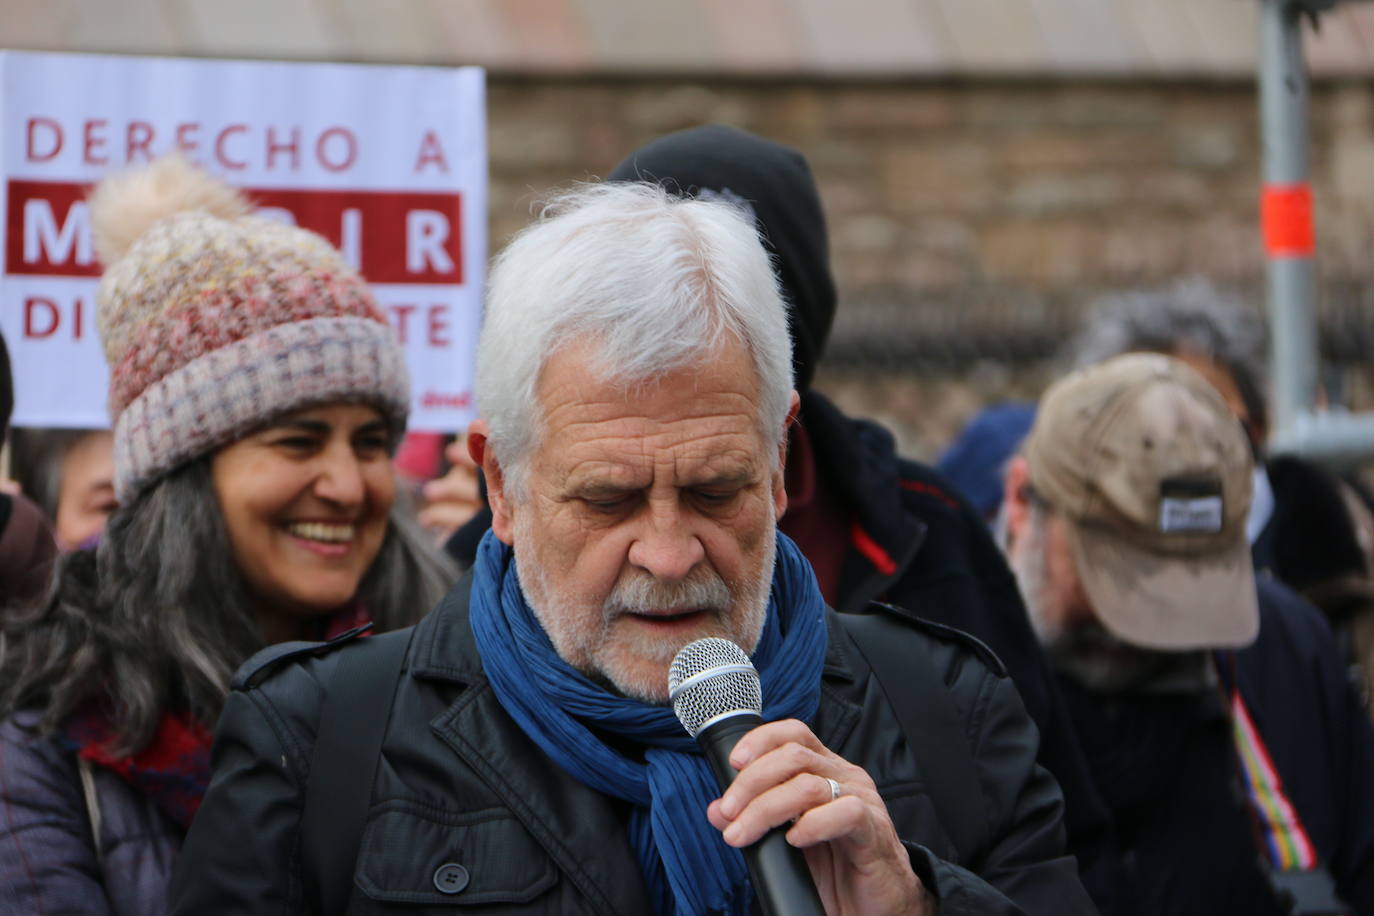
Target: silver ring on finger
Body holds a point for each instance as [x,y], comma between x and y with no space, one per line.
[834,788]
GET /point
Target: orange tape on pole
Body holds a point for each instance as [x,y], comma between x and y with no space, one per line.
[1286,218]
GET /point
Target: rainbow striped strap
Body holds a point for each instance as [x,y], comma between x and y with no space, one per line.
[1281,831]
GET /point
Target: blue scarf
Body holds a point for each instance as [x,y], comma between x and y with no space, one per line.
[688,867]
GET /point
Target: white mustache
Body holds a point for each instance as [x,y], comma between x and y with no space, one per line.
[642,594]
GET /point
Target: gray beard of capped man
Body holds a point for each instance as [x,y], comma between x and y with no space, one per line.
[1086,652]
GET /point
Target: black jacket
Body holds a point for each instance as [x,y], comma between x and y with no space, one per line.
[921,546]
[1168,767]
[459,782]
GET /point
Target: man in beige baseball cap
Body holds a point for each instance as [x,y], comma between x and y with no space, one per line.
[1211,705]
[1150,473]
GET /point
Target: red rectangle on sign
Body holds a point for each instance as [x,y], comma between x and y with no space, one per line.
[393,236]
[48,230]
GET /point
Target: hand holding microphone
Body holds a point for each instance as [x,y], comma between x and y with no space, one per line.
[715,693]
[840,847]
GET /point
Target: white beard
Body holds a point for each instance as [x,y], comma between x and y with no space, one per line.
[581,629]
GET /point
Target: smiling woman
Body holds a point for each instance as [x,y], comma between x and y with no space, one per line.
[256,395]
[305,503]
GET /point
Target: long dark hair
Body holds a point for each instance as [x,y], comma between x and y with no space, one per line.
[157,617]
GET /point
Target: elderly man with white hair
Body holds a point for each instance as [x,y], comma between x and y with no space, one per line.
[515,752]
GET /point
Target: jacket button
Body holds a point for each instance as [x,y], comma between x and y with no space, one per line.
[450,878]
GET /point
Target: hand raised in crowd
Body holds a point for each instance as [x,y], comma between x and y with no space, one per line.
[858,863]
[450,500]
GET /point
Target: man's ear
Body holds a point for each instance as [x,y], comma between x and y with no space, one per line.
[502,507]
[780,478]
[1015,502]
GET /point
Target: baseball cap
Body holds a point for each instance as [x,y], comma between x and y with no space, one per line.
[1153,474]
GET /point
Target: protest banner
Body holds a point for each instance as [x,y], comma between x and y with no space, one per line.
[388,163]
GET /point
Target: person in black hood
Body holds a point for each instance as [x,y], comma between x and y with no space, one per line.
[773,182]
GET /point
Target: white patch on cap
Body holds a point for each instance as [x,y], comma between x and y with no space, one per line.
[1190,515]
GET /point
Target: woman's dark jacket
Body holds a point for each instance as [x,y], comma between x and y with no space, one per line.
[459,783]
[51,862]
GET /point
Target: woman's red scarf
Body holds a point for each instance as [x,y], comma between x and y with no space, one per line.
[174,768]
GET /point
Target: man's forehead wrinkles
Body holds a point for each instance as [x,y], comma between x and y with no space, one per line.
[710,452]
[664,447]
[570,417]
[715,407]
[646,435]
[633,462]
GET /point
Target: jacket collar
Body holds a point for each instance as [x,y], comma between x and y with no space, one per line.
[443,648]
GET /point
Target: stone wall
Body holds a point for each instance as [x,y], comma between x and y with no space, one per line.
[971,221]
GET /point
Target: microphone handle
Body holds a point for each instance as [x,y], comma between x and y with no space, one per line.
[782,882]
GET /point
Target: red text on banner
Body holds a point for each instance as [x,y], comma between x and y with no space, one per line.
[391,236]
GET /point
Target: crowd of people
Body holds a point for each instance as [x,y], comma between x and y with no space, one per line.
[1115,660]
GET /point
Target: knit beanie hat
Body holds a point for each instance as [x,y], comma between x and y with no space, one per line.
[215,322]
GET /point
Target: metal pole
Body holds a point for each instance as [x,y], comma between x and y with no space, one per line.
[1289,244]
[1286,213]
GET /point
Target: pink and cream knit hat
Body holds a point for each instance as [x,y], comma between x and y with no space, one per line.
[214,321]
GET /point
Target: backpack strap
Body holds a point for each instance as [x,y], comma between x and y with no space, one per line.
[86,770]
[934,730]
[353,720]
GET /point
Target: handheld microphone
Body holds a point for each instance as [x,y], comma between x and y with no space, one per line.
[715,693]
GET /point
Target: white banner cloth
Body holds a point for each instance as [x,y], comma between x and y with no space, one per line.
[388,163]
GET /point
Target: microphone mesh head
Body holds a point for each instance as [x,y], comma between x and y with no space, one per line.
[710,678]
